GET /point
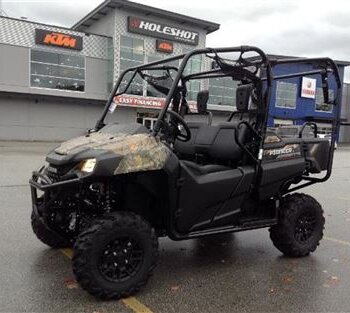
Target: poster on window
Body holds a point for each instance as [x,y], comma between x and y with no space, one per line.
[308,88]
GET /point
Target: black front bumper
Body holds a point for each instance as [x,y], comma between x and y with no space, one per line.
[41,181]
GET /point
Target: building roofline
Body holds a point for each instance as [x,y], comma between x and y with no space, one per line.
[109,5]
[50,25]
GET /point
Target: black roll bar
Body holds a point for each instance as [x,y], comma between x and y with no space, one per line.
[325,63]
[135,69]
[241,49]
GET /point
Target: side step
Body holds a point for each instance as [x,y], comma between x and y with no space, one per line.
[230,229]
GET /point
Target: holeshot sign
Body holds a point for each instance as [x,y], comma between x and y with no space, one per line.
[159,30]
[308,87]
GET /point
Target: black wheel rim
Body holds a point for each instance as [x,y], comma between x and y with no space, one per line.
[121,259]
[305,227]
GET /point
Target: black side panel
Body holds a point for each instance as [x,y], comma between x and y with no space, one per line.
[201,197]
[317,154]
[275,174]
[230,211]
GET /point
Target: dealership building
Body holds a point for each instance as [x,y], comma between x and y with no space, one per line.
[54,81]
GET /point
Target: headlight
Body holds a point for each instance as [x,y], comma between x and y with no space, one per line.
[88,166]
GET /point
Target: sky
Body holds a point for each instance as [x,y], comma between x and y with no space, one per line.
[287,27]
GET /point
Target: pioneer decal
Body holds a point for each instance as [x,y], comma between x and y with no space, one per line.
[50,38]
[287,152]
[154,29]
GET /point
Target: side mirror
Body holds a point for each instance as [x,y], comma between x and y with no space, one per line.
[202,101]
[242,97]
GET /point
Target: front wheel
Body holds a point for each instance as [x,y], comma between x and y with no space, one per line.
[115,256]
[300,226]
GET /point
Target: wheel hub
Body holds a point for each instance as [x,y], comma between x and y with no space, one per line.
[304,227]
[121,259]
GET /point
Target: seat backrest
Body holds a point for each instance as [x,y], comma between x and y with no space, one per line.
[187,149]
[218,142]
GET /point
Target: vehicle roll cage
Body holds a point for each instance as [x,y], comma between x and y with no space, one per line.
[239,70]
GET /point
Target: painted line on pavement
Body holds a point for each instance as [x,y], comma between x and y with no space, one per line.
[342,242]
[344,198]
[67,252]
[14,186]
[130,302]
[135,305]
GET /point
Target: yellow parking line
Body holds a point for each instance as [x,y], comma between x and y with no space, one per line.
[344,198]
[131,302]
[346,243]
[68,253]
[135,305]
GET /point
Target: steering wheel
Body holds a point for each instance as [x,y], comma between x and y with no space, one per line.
[176,121]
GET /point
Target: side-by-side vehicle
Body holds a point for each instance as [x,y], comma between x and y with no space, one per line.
[111,193]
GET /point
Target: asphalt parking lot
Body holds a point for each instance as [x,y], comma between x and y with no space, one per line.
[242,272]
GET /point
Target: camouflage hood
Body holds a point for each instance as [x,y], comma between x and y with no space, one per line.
[140,152]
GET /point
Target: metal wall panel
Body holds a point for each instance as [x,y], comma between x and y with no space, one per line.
[47,119]
[22,33]
[121,28]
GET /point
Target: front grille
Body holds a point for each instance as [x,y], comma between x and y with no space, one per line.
[53,176]
[56,173]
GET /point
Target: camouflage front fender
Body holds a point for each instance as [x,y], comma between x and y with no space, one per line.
[140,152]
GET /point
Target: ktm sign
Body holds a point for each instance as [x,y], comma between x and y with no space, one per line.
[164,46]
[49,38]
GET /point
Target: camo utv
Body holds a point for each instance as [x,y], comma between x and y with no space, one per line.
[111,193]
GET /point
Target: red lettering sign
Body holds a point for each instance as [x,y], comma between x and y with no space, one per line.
[50,38]
[58,39]
[146,102]
[164,46]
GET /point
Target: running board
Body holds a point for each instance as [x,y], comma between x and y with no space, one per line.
[231,229]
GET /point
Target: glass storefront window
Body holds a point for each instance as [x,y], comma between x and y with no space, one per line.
[193,66]
[131,54]
[222,91]
[286,95]
[57,71]
[319,102]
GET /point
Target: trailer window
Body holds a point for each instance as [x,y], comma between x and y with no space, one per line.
[319,103]
[286,95]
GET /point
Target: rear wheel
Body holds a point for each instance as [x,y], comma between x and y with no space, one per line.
[115,256]
[300,226]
